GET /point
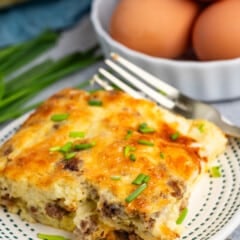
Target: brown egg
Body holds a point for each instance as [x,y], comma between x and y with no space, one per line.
[155,27]
[216,34]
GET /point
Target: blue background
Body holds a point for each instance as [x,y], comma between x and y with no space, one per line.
[28,20]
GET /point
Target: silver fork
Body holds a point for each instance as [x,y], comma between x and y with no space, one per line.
[122,71]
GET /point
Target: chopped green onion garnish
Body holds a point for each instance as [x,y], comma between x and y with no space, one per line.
[136,193]
[50,237]
[147,130]
[127,150]
[144,128]
[146,179]
[59,117]
[142,125]
[84,146]
[175,136]
[70,155]
[129,134]
[182,216]
[145,142]
[162,92]
[55,149]
[201,127]
[116,178]
[139,179]
[66,147]
[77,134]
[162,155]
[215,172]
[132,157]
[95,102]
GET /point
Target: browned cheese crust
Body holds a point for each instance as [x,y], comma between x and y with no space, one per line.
[80,192]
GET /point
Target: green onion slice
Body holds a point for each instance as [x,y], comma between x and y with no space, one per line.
[129,134]
[162,92]
[215,171]
[116,178]
[146,179]
[77,134]
[182,216]
[142,125]
[144,128]
[127,150]
[175,136]
[201,127]
[70,155]
[95,102]
[139,179]
[145,142]
[84,146]
[55,149]
[136,193]
[51,237]
[59,117]
[162,155]
[66,147]
[132,157]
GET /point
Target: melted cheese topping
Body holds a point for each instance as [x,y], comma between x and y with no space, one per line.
[173,165]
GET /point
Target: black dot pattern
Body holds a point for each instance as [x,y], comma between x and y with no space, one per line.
[222,202]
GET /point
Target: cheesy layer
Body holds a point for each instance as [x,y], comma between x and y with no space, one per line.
[73,164]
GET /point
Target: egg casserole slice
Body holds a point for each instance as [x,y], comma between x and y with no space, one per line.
[106,166]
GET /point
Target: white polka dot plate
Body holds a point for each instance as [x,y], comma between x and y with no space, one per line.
[214,210]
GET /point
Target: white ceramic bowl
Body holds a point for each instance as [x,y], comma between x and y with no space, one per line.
[210,81]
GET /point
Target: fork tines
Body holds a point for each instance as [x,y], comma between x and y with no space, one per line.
[129,78]
[139,83]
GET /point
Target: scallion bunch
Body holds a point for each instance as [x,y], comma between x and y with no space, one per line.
[18,90]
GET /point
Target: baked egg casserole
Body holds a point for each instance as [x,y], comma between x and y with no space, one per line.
[106,166]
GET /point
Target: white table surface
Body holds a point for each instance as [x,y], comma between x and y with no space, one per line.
[81,37]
